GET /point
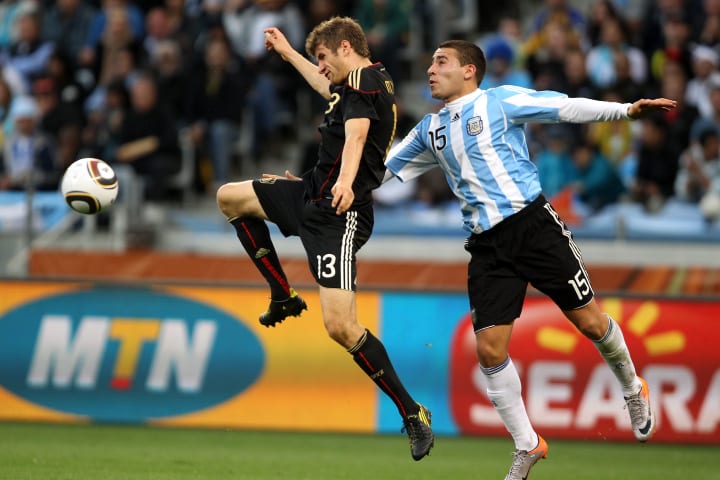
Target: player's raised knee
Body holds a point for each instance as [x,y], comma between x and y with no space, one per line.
[223,197]
[238,199]
[230,197]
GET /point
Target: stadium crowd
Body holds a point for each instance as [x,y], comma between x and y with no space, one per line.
[125,80]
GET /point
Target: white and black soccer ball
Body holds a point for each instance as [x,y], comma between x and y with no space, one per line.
[89,186]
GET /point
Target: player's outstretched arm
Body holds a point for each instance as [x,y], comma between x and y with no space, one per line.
[275,40]
[645,107]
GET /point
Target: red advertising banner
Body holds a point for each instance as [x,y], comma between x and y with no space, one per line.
[570,392]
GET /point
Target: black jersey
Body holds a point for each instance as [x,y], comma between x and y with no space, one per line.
[368,93]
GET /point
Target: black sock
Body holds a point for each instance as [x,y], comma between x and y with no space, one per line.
[255,237]
[370,354]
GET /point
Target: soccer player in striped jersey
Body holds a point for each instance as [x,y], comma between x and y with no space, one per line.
[515,236]
[330,207]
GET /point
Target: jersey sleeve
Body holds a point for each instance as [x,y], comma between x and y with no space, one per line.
[522,105]
[411,157]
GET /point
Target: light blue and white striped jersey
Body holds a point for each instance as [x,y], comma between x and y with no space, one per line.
[479,142]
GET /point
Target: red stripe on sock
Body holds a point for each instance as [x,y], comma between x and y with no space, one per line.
[247,232]
[387,388]
[283,283]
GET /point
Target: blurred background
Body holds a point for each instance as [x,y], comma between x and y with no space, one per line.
[85,78]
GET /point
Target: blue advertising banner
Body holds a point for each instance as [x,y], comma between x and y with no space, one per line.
[417,330]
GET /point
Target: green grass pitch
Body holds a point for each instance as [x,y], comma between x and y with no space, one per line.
[92,452]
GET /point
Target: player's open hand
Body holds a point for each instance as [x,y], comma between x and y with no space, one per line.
[645,107]
[276,40]
[342,198]
[287,176]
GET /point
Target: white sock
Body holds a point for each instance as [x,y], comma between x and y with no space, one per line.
[613,349]
[504,391]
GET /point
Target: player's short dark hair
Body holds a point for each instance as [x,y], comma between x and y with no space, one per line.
[332,32]
[468,54]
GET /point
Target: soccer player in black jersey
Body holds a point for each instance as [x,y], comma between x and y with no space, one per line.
[330,207]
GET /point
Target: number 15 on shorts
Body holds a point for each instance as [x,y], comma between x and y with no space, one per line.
[580,284]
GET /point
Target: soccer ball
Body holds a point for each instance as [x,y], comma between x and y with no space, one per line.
[89,186]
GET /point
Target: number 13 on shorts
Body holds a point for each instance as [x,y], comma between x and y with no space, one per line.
[326,265]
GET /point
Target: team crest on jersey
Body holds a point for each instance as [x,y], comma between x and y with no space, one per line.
[474,126]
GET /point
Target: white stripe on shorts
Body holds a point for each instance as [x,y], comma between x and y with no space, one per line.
[346,251]
[573,246]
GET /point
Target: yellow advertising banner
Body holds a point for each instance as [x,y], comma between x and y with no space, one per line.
[176,355]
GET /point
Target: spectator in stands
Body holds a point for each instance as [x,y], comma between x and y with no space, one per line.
[675,47]
[681,119]
[6,98]
[67,25]
[8,13]
[102,133]
[28,53]
[699,171]
[705,70]
[576,82]
[657,165]
[134,15]
[215,104]
[172,77]
[184,26]
[28,155]
[149,139]
[509,30]
[614,140]
[556,14]
[553,160]
[61,116]
[14,80]
[635,13]
[602,59]
[600,11]
[387,25]
[546,62]
[714,117]
[53,113]
[60,70]
[655,15]
[596,182]
[275,86]
[708,25]
[157,29]
[625,85]
[501,66]
[116,43]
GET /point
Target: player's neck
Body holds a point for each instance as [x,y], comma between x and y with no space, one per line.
[466,90]
[360,62]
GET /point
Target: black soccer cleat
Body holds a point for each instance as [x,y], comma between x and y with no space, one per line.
[279,310]
[421,435]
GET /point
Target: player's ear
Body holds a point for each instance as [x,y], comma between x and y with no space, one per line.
[345,47]
[470,71]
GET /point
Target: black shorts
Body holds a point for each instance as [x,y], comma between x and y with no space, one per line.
[533,246]
[331,241]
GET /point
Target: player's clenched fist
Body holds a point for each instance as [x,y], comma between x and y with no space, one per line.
[275,40]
